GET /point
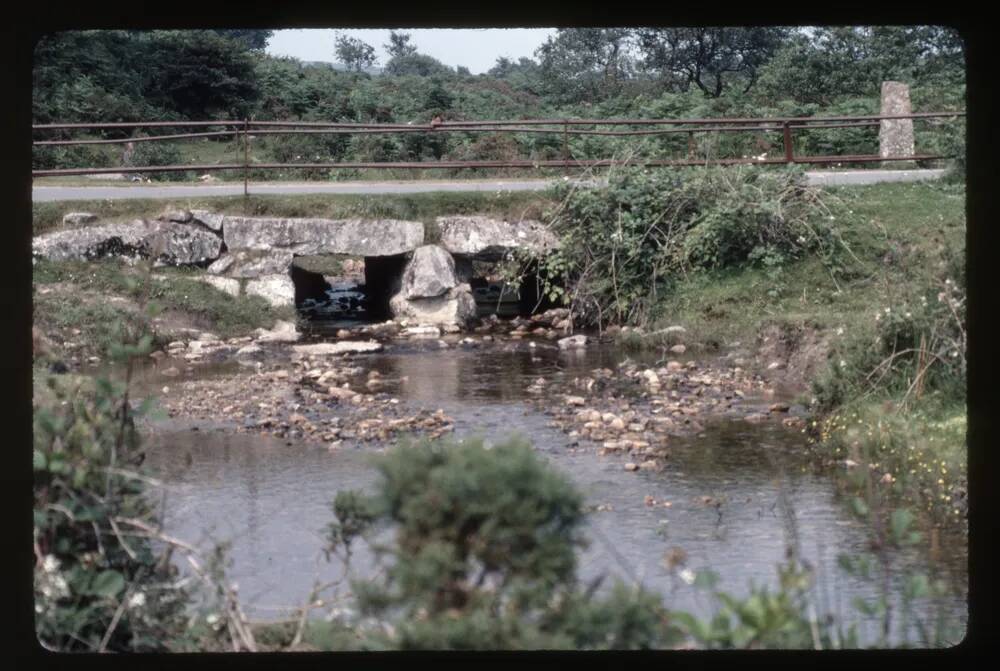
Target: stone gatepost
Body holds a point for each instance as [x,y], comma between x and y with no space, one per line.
[895,137]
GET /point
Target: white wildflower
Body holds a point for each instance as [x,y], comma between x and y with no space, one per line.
[137,600]
[50,564]
[212,618]
[840,331]
[843,364]
[687,575]
[908,315]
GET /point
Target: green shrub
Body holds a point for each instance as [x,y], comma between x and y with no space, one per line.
[627,242]
[72,156]
[483,555]
[152,154]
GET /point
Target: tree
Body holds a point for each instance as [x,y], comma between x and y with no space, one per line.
[255,40]
[586,63]
[420,65]
[399,45]
[710,57]
[198,74]
[354,53]
[831,62]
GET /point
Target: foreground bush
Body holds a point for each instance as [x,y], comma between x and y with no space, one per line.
[484,556]
[100,584]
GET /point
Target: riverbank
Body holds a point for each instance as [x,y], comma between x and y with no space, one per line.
[787,324]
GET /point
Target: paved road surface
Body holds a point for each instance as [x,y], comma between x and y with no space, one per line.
[50,193]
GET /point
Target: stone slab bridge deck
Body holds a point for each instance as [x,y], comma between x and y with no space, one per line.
[407,275]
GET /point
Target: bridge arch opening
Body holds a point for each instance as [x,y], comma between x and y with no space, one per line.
[335,291]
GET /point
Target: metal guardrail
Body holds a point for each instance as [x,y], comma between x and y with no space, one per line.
[565,127]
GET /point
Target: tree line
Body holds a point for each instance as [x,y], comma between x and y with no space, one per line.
[122,76]
[130,75]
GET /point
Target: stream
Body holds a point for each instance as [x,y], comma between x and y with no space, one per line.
[271,499]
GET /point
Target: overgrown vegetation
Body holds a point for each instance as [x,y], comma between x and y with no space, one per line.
[626,244]
[106,576]
[578,73]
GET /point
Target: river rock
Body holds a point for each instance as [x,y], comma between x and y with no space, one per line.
[282,331]
[488,238]
[421,332]
[77,218]
[340,347]
[356,237]
[572,342]
[278,290]
[457,306]
[249,351]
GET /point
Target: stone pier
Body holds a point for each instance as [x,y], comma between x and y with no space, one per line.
[895,137]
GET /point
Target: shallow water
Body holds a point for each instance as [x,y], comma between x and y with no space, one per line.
[272,500]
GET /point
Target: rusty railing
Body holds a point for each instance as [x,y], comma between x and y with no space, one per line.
[249,128]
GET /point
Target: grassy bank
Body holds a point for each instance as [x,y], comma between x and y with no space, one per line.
[424,207]
[86,305]
[898,236]
[902,244]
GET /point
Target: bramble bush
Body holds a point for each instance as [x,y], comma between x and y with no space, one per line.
[625,243]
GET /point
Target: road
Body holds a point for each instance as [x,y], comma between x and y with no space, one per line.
[105,192]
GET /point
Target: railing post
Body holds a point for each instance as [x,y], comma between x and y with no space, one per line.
[789,155]
[690,145]
[246,156]
[566,145]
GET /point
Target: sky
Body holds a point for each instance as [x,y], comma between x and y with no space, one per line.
[476,49]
